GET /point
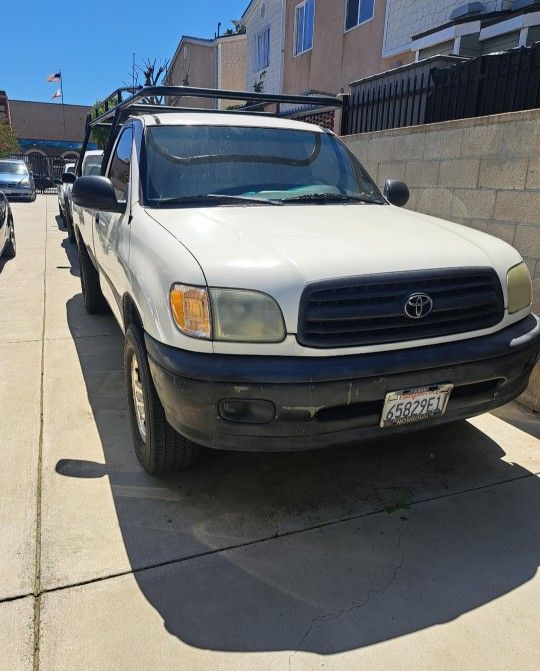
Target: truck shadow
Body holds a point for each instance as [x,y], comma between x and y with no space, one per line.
[324,552]
[70,249]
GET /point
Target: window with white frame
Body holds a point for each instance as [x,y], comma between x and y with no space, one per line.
[262,49]
[304,16]
[358,11]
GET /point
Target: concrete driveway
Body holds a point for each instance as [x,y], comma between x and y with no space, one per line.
[409,553]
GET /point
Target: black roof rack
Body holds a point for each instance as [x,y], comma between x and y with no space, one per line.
[115,109]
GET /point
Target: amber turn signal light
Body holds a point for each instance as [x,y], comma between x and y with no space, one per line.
[191,311]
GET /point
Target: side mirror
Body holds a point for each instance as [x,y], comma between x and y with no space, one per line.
[396,192]
[96,193]
[68,178]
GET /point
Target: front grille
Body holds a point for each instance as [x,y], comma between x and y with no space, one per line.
[370,310]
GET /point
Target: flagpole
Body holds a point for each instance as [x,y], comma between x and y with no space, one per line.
[62,96]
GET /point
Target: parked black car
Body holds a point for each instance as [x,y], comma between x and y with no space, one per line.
[7,230]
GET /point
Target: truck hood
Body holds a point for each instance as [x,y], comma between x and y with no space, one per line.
[278,250]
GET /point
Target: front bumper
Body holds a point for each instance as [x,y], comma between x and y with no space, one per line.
[333,400]
[22,194]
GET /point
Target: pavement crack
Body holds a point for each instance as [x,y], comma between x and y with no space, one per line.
[271,538]
[327,617]
[37,573]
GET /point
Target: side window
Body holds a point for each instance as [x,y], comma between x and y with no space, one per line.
[119,166]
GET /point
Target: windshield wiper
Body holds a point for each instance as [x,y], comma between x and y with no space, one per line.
[215,198]
[342,197]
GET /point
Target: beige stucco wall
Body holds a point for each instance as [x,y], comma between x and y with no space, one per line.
[232,66]
[337,57]
[44,121]
[218,63]
[198,62]
[482,172]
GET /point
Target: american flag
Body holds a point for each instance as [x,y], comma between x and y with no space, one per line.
[55,78]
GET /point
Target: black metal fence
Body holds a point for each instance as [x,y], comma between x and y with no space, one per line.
[443,89]
[393,99]
[47,170]
[492,84]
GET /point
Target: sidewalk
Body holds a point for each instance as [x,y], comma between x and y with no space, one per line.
[412,553]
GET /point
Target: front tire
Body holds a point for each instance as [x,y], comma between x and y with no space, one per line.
[159,448]
[10,249]
[93,298]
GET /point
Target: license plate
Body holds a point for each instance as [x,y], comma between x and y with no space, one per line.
[415,405]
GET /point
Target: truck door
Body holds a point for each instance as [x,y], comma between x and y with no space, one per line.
[111,239]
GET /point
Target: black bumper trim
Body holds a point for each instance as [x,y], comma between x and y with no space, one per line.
[284,369]
[320,402]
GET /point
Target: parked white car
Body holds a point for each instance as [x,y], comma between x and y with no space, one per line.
[273,299]
[62,190]
[91,165]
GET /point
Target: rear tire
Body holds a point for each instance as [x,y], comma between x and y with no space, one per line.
[69,227]
[94,300]
[10,249]
[159,448]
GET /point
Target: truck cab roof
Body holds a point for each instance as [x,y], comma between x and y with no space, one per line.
[227,119]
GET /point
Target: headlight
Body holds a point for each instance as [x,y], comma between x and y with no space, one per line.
[519,288]
[246,316]
[234,315]
[190,309]
[25,181]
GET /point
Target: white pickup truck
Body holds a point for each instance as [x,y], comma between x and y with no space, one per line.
[272,298]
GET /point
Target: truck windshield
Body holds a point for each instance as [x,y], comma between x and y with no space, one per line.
[184,164]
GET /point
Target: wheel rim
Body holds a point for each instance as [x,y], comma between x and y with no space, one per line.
[138,397]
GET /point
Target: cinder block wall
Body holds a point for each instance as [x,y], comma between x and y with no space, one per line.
[482,172]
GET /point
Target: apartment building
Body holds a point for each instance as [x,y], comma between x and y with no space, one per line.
[469,29]
[208,63]
[264,22]
[330,43]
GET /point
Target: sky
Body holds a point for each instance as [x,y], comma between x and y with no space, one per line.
[93,42]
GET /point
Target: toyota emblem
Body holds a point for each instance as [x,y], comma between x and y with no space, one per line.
[418,306]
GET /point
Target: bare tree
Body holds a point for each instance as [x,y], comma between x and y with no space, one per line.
[153,75]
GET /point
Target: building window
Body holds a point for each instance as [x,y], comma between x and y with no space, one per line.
[358,11]
[263,49]
[304,15]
